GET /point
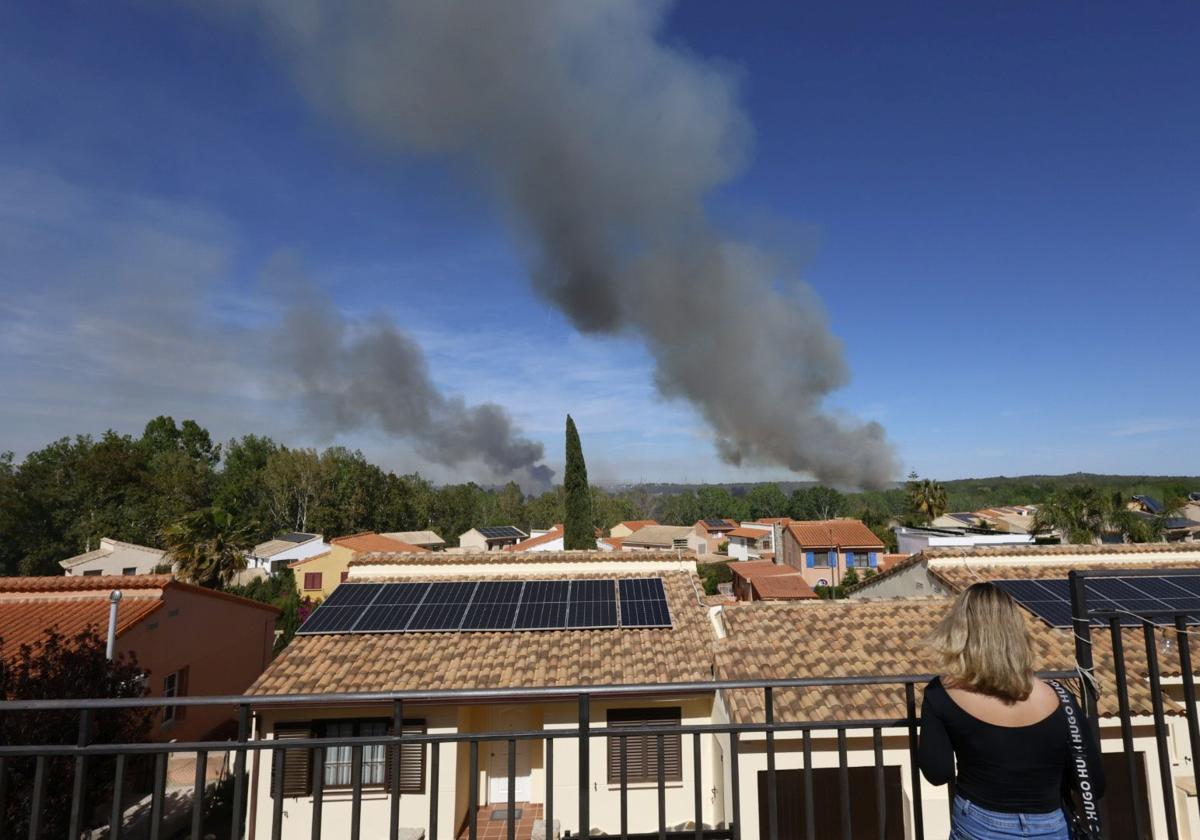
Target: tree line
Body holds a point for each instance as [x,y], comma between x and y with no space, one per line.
[60,500]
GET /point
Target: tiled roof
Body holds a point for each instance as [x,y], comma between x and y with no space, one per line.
[774,520]
[886,561]
[109,547]
[451,661]
[635,524]
[862,638]
[508,558]
[272,547]
[749,533]
[658,535]
[421,538]
[82,583]
[957,577]
[303,560]
[791,587]
[830,533]
[374,542]
[615,542]
[755,569]
[555,533]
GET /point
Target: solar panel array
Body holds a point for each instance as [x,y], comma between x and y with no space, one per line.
[716,523]
[491,605]
[1050,599]
[502,532]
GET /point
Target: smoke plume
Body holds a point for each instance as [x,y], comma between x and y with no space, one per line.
[599,145]
[377,376]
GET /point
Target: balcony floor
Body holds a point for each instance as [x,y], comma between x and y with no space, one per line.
[490,829]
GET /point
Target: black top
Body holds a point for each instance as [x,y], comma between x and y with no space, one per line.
[1013,769]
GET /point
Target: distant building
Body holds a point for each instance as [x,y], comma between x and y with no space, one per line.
[916,539]
[422,539]
[624,529]
[658,538]
[320,574]
[492,538]
[188,640]
[750,541]
[710,534]
[762,580]
[114,557]
[277,553]
[824,550]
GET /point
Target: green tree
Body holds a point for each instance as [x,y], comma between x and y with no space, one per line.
[926,499]
[579,532]
[510,505]
[1085,515]
[209,546]
[679,509]
[74,668]
[766,500]
[817,503]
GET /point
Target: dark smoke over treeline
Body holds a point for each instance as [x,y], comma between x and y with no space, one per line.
[599,145]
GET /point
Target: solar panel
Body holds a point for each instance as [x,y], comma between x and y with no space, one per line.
[544,605]
[501,531]
[331,620]
[393,608]
[495,605]
[352,594]
[716,523]
[1130,597]
[644,603]
[444,607]
[593,603]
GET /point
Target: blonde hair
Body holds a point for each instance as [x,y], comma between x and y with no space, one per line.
[984,644]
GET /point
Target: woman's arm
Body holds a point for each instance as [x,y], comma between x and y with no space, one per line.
[935,754]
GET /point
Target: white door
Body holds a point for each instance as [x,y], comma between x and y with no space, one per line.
[509,719]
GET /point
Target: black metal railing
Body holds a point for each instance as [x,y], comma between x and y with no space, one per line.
[1146,629]
[853,818]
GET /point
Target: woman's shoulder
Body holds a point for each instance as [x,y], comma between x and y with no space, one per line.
[935,691]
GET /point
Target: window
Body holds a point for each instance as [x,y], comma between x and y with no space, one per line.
[175,685]
[312,580]
[641,751]
[94,573]
[376,766]
[823,559]
[858,559]
[702,548]
[345,575]
[680,544]
[131,570]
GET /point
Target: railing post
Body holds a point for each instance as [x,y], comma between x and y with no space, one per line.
[397,752]
[549,789]
[278,762]
[1082,625]
[697,778]
[1189,695]
[156,801]
[512,789]
[660,743]
[880,781]
[239,772]
[735,787]
[624,774]
[116,817]
[473,793]
[318,791]
[39,790]
[356,755]
[198,794]
[79,783]
[435,757]
[810,814]
[772,793]
[1160,733]
[585,828]
[1118,646]
[910,704]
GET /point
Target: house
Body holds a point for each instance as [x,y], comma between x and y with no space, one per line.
[550,540]
[658,538]
[624,529]
[938,571]
[188,640]
[710,534]
[277,553]
[763,580]
[677,651]
[911,540]
[422,539]
[492,538]
[114,557]
[318,575]
[1177,526]
[750,541]
[824,550]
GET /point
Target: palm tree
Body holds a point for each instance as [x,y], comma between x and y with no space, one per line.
[208,546]
[926,498]
[1084,515]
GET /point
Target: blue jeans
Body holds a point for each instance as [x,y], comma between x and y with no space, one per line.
[970,822]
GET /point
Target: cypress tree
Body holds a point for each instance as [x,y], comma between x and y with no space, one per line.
[579,532]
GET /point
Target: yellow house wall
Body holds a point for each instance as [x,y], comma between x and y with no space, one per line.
[330,566]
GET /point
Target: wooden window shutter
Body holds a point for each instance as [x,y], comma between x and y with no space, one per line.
[641,751]
[296,764]
[412,760]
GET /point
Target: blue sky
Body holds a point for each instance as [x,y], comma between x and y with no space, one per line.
[998,203]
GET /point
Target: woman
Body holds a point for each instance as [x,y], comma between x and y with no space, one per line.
[1006,727]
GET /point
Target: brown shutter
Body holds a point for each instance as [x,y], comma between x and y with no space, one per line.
[641,751]
[297,764]
[412,760]
[181,690]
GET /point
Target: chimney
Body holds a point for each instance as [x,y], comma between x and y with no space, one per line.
[114,598]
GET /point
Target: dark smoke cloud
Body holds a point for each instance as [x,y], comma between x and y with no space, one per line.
[599,145]
[375,376]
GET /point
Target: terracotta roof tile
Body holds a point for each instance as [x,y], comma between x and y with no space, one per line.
[26,620]
[754,569]
[83,583]
[553,534]
[375,542]
[791,587]
[449,661]
[831,533]
[749,533]
[863,638]
[635,524]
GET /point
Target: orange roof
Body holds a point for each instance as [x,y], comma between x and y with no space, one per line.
[749,533]
[615,542]
[755,569]
[834,533]
[374,542]
[555,533]
[774,520]
[29,606]
[886,561]
[782,588]
[634,524]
